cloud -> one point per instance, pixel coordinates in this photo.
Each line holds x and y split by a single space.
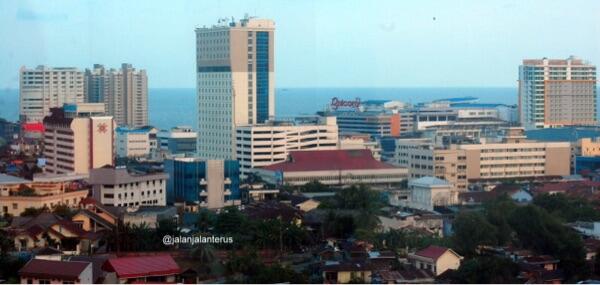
26 14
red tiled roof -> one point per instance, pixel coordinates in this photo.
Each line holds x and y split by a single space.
64 270
140 266
434 252
318 160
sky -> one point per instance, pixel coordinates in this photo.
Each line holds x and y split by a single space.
345 43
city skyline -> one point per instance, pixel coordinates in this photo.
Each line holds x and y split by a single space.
402 44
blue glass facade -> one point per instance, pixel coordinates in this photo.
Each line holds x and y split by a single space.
590 163
262 76
185 176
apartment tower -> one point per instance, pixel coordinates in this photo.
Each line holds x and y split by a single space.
45 87
235 81
556 93
124 92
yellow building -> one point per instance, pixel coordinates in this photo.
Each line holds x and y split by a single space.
436 259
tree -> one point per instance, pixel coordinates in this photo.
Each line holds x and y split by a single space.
471 229
32 212
568 209
63 211
205 254
315 186
497 212
486 270
206 220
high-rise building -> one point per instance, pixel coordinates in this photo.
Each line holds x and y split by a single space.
45 87
556 93
235 81
77 138
124 92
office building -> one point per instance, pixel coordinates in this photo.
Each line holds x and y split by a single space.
264 144
136 142
179 140
209 184
77 138
118 187
43 88
124 92
508 157
332 167
373 123
557 92
235 82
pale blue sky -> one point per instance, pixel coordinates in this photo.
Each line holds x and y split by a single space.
318 43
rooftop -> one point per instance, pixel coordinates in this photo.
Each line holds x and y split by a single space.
50 269
431 181
9 179
140 266
319 160
434 252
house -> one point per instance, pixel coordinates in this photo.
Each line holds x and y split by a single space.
345 271
95 217
98 275
49 229
270 210
513 191
436 259
302 203
152 269
540 269
47 253
40 271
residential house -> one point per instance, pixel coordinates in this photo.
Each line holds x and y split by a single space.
436 259
346 271
40 271
150 269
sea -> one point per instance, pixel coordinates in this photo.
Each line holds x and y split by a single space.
169 107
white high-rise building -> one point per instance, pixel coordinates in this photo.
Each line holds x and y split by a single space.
45 87
123 91
557 93
235 81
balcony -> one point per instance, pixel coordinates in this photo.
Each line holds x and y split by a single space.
203 193
227 180
203 182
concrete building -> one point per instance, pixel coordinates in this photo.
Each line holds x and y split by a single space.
235 81
557 92
43 88
436 259
265 144
136 142
78 137
427 192
332 167
124 93
40 271
179 140
373 123
18 194
209 184
118 187
510 156
360 142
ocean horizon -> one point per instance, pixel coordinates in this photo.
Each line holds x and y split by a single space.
169 107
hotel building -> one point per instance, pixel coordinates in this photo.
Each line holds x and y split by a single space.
43 88
77 138
124 93
118 187
235 81
556 93
264 144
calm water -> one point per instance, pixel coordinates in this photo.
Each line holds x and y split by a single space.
172 107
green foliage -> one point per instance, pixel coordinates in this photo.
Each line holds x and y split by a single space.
63 211
486 270
403 242
338 225
26 191
9 268
566 208
253 271
206 220
315 186
497 212
470 230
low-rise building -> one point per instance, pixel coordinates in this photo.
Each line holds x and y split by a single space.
209 184
118 187
150 216
136 142
18 194
428 192
332 167
179 140
40 271
145 269
269 143
436 259
358 141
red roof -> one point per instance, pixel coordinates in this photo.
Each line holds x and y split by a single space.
317 160
140 266
36 127
50 269
434 252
